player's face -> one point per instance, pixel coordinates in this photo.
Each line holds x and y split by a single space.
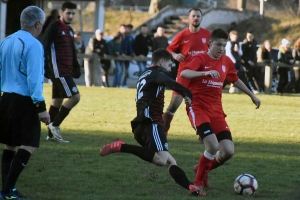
195 18
217 48
166 64
67 15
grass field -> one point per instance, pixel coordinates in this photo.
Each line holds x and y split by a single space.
267 145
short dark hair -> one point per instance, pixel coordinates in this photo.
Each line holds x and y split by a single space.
195 9
161 53
129 26
218 34
68 5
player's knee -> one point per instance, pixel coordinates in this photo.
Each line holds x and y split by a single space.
160 160
28 148
76 98
227 154
212 148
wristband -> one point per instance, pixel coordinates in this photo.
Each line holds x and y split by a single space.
41 106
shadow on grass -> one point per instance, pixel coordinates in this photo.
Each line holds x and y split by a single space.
76 171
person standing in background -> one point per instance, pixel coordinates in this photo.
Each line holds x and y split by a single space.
296 55
142 45
191 41
159 40
61 66
23 105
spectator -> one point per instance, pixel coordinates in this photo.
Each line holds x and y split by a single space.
114 47
126 50
249 60
284 56
296 55
232 51
263 55
141 46
79 46
99 46
159 40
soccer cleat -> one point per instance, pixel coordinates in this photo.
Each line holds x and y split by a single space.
13 195
112 147
196 190
55 130
52 139
207 182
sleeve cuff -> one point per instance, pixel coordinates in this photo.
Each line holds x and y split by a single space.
41 106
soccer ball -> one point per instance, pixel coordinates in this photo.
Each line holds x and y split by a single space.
245 184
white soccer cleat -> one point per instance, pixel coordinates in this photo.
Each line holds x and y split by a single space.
55 130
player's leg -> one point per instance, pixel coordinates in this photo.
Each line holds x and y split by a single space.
172 108
24 132
174 104
177 173
64 87
226 149
211 147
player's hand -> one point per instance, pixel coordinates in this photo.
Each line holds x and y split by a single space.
187 100
256 101
179 57
44 117
212 73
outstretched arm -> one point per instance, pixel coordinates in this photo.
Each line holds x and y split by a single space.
245 89
164 79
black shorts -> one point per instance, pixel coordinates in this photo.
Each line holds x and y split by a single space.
19 121
150 135
63 87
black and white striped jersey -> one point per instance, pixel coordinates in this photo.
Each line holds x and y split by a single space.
150 93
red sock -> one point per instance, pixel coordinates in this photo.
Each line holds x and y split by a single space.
215 163
203 169
167 119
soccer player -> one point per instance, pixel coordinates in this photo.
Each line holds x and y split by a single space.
186 44
207 73
61 66
23 105
147 125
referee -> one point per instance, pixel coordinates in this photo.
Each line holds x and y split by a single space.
22 106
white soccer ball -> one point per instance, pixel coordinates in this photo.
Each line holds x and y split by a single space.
245 184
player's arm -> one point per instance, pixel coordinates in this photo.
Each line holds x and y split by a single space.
164 79
239 84
190 74
175 47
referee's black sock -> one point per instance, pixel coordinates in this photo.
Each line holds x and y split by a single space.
7 157
142 152
179 176
63 113
53 111
17 165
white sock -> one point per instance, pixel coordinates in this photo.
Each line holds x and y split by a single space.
208 155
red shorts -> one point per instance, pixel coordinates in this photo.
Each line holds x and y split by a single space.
182 81
199 116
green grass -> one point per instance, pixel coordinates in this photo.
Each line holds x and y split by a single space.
266 143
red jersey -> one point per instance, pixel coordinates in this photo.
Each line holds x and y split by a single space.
189 44
207 91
